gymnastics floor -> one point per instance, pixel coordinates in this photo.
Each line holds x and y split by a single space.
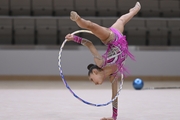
50 100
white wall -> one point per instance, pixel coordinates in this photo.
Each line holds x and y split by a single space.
74 62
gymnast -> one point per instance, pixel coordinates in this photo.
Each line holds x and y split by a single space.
110 64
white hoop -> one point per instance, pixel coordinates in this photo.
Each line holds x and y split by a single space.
66 84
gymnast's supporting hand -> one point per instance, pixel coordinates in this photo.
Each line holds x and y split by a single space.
107 119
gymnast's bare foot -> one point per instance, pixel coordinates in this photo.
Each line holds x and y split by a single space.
136 8
107 119
74 16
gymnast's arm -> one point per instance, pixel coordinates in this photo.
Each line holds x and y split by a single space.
114 81
97 57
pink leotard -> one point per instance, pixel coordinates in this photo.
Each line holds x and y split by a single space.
117 52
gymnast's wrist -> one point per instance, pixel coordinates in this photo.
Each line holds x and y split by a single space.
77 39
114 115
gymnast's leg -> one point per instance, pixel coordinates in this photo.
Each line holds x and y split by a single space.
120 23
101 32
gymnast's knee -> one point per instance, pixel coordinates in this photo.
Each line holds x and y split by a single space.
121 19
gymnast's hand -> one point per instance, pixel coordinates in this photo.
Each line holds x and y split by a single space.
69 37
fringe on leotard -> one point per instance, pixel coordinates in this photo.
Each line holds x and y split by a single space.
121 42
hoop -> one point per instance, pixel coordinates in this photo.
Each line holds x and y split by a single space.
66 84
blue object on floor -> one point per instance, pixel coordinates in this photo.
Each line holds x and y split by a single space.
138 84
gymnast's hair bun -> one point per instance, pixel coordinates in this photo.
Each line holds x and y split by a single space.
90 66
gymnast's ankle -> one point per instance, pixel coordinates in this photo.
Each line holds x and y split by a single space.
136 8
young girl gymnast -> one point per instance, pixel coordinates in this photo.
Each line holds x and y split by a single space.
110 64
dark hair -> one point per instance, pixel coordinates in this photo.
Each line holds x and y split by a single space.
90 67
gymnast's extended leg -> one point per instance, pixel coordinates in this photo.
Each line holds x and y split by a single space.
121 22
101 32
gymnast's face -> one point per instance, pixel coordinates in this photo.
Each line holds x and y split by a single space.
96 76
